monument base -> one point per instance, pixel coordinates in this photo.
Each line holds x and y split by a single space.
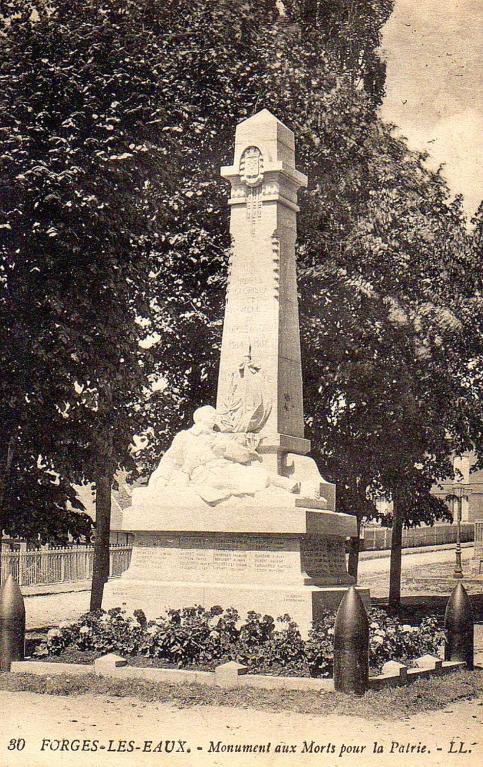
304 604
272 561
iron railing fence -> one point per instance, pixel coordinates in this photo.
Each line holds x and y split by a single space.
380 537
51 564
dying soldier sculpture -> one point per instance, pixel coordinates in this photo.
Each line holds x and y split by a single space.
205 463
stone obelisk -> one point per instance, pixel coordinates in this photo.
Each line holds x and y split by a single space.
238 515
261 315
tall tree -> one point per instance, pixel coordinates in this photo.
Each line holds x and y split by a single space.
85 165
396 349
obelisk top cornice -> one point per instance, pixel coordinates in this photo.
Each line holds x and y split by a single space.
275 142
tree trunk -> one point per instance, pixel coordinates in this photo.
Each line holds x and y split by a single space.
354 549
310 10
100 569
396 556
4 477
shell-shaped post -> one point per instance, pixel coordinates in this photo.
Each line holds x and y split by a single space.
12 624
351 645
459 625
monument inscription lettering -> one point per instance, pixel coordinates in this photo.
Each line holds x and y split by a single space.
213 555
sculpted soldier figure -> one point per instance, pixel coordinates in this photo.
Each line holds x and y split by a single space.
211 465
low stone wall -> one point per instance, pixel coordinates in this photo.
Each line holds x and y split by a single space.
234 675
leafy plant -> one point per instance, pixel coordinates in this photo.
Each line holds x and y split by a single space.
195 636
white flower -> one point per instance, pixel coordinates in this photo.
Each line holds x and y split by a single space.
374 625
330 632
152 630
54 633
378 640
214 634
406 628
84 630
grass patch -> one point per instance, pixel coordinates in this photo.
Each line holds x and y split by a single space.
70 656
393 704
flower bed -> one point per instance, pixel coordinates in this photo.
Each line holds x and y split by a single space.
194 637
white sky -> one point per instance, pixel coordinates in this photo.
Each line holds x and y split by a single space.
433 50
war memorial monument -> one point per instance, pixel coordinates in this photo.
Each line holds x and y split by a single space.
237 513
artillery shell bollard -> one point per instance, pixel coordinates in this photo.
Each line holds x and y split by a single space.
12 624
459 624
351 645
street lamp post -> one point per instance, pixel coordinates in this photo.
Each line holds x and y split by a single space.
458 492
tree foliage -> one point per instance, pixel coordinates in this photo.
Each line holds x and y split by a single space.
83 174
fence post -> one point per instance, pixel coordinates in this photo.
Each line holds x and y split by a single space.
351 645
12 624
459 625
22 563
44 559
62 565
3 564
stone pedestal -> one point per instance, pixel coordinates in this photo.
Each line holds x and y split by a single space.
288 560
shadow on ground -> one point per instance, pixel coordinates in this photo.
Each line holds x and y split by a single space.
417 607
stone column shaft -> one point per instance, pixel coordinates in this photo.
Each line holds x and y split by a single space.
261 316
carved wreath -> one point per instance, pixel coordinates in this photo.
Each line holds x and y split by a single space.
251 166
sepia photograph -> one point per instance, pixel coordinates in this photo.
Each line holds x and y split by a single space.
241 377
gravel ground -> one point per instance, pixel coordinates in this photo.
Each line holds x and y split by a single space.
428 573
121 724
